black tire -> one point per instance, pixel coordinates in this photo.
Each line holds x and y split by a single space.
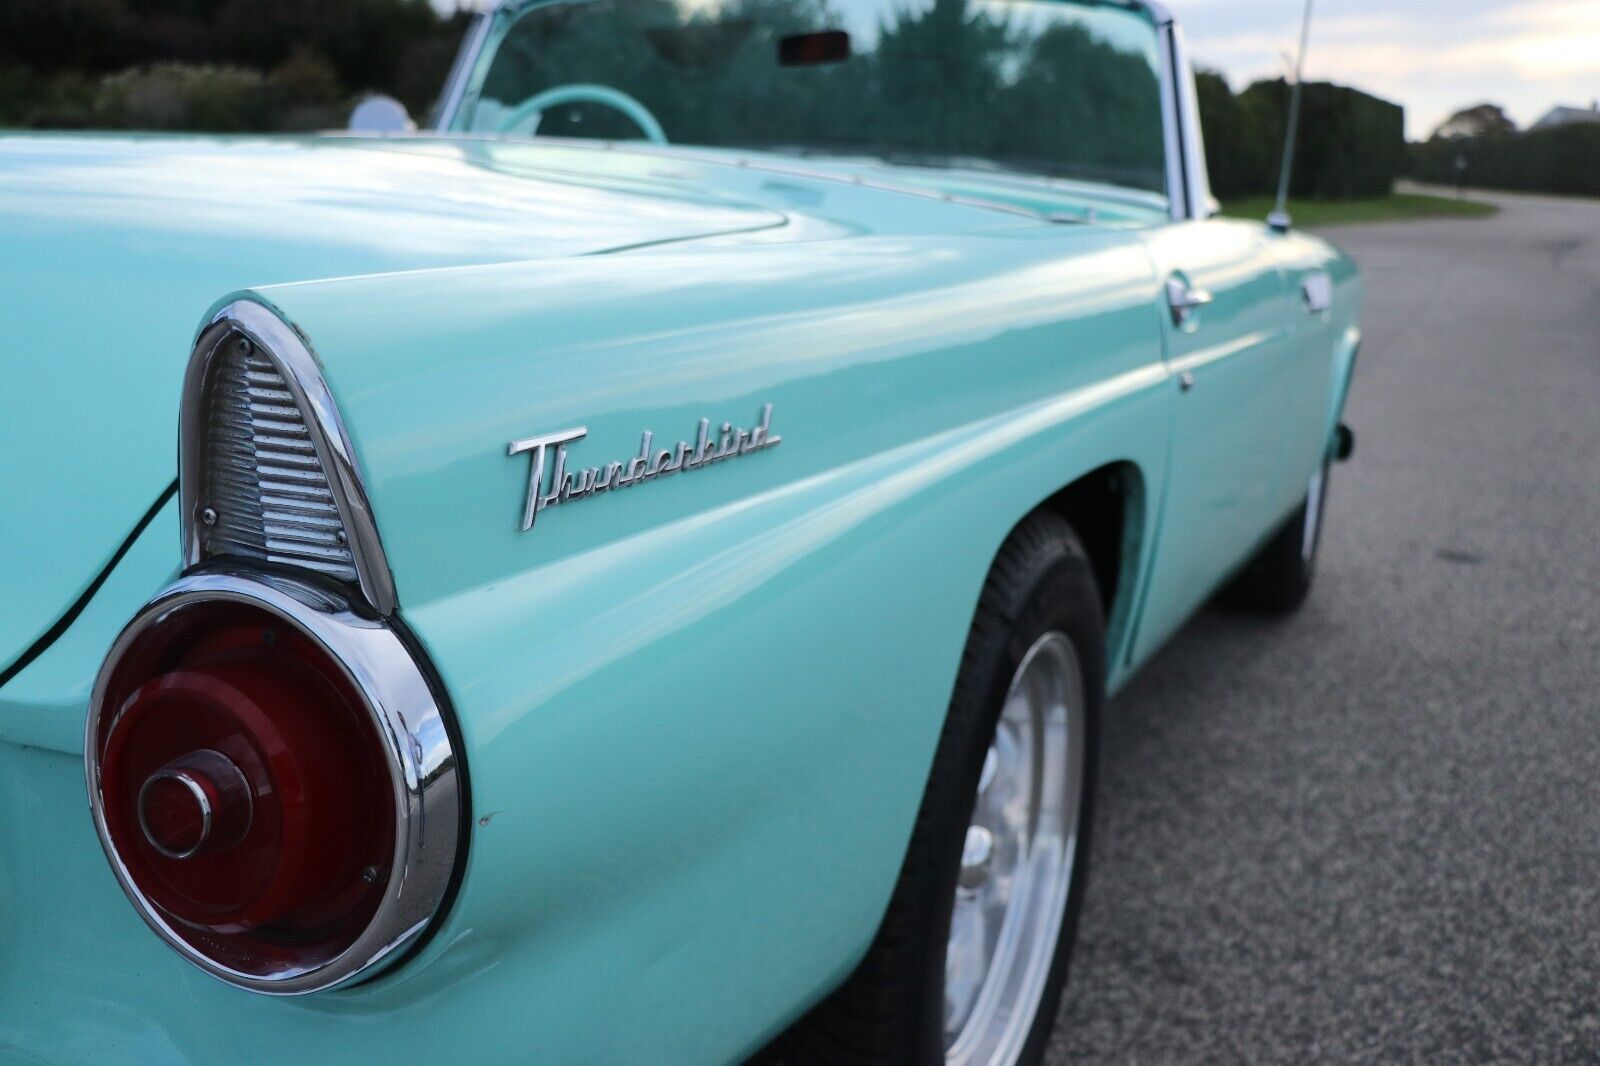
1278 579
891 1010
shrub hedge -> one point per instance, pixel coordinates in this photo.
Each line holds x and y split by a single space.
1351 145
1564 160
219 65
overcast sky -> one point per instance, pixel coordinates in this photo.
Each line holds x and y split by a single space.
1433 56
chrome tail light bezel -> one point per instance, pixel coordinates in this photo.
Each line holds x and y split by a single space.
411 718
351 617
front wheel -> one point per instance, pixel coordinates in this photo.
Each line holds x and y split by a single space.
971 960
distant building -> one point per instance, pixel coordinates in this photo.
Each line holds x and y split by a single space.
1568 116
1475 122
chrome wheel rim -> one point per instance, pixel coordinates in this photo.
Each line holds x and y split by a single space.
1312 529
1017 860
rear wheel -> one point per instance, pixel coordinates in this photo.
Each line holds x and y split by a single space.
1278 579
971 959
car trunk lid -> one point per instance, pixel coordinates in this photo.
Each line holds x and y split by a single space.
112 247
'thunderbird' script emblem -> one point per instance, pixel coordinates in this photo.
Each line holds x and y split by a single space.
563 485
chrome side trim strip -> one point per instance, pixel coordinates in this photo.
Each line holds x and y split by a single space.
410 718
1172 126
303 374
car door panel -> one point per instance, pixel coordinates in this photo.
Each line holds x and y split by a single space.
1228 358
1315 373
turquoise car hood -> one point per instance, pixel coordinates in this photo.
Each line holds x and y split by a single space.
112 247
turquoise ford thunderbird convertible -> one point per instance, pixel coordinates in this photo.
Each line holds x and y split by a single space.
644 559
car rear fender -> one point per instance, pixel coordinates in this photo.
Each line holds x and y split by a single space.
699 713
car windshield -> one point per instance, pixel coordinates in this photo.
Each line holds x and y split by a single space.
1032 86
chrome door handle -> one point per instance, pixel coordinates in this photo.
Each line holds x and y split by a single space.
1184 300
1317 292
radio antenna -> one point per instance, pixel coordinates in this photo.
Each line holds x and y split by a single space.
1279 219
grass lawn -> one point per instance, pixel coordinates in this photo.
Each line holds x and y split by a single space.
1397 207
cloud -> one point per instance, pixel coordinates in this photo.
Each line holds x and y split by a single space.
1433 56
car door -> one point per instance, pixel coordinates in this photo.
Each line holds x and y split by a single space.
1225 344
1309 384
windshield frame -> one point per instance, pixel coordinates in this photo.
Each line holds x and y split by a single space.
1188 188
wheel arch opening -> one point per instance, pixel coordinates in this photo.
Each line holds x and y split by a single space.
1106 507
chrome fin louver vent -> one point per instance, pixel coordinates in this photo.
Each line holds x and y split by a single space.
264 492
267 471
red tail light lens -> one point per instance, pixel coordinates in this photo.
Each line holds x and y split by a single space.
257 802
247 792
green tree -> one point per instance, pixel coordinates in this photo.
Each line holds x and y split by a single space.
1244 137
97 62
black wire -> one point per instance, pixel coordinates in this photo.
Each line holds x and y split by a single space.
38 647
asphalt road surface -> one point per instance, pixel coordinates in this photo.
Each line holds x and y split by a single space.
1371 832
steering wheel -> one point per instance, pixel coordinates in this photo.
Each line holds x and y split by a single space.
535 106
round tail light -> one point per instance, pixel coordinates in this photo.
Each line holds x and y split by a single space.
266 770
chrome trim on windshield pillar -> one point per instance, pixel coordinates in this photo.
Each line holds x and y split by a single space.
1188 181
303 375
1158 12
461 70
1197 177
